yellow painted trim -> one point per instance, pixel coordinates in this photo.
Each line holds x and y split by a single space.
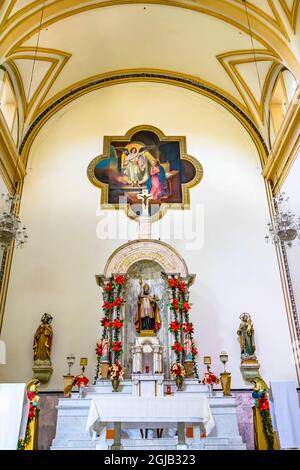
240 83
232 14
127 79
291 14
94 78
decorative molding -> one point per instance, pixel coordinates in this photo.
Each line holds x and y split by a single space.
12 167
173 78
286 146
139 250
291 14
247 57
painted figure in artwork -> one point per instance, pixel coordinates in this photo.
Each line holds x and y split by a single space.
147 312
43 339
133 166
157 181
246 337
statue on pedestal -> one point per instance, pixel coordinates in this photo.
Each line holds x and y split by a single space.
246 336
147 319
42 342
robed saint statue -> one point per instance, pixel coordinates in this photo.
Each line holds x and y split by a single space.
147 318
43 339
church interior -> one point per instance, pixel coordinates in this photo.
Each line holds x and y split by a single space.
149 225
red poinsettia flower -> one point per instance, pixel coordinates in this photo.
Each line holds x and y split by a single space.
175 304
185 306
263 404
117 346
188 327
108 287
98 349
178 347
174 326
172 282
105 322
107 305
81 380
118 302
117 324
120 280
31 411
182 286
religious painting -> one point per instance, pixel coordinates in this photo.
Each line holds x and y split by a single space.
144 159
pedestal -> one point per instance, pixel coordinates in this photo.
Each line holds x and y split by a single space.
104 370
68 385
148 385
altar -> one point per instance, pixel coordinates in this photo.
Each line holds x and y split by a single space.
147 372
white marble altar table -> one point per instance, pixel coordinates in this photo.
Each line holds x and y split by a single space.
166 410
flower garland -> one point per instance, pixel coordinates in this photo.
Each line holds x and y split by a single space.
32 395
111 321
180 324
262 403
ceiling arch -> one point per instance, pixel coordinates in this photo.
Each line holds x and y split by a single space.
207 40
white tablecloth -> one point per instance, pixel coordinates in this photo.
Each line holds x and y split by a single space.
286 413
13 415
167 409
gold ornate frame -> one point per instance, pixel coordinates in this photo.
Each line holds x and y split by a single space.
185 187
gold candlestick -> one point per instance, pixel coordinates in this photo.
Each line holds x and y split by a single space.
207 362
225 377
83 363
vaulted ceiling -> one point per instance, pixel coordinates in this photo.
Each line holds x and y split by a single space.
75 42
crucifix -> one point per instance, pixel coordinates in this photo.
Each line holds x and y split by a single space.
145 196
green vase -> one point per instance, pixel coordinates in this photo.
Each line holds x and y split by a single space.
179 383
115 384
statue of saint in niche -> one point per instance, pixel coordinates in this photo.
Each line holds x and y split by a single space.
147 319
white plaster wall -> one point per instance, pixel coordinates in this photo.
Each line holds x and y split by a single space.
236 270
292 190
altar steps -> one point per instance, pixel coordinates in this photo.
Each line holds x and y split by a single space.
150 444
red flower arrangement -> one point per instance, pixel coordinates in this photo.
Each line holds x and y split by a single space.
188 327
117 324
178 347
177 370
81 380
118 302
175 304
105 322
173 282
174 326
120 280
263 404
210 378
107 305
108 287
117 346
185 306
182 286
98 349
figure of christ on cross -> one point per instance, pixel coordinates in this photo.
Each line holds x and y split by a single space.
145 196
